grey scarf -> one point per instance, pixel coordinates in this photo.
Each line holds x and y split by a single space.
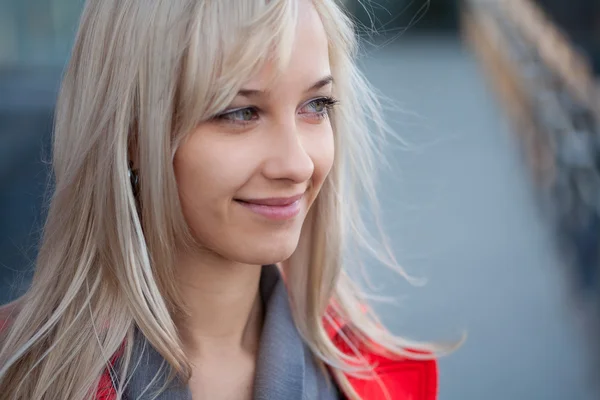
285 369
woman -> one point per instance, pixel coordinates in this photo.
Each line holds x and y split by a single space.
207 185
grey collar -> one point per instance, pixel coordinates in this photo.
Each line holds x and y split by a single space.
285 367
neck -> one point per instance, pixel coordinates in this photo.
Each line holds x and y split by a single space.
223 304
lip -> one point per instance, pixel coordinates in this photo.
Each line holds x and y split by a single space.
274 201
274 208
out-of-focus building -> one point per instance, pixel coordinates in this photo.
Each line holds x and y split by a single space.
37 33
35 40
543 61
580 20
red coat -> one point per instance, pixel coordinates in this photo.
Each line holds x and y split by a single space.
404 379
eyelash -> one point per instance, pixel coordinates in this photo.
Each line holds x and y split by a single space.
329 105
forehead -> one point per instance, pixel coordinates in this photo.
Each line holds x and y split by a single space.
263 45
308 59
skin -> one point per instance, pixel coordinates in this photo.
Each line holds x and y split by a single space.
284 149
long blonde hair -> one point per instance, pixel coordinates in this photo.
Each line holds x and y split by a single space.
142 74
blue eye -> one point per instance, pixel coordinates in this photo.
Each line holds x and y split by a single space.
319 106
241 115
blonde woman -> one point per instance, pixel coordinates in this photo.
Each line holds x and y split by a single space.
208 158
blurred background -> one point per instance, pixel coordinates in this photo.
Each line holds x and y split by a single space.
494 197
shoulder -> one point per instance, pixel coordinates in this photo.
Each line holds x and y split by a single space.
414 378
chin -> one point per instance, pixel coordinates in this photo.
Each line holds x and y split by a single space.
267 251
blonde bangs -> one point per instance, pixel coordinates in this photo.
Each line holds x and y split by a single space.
230 42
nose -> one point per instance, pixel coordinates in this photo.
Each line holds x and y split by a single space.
289 156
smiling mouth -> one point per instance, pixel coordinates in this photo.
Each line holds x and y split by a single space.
275 208
273 201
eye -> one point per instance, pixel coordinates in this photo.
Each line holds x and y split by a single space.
319 107
242 115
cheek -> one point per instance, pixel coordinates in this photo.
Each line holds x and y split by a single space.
206 177
323 153
202 162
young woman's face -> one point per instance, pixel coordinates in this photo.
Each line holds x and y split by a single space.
248 178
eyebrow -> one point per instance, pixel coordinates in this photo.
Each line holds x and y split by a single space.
319 85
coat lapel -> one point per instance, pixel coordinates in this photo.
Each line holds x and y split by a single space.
285 368
150 373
